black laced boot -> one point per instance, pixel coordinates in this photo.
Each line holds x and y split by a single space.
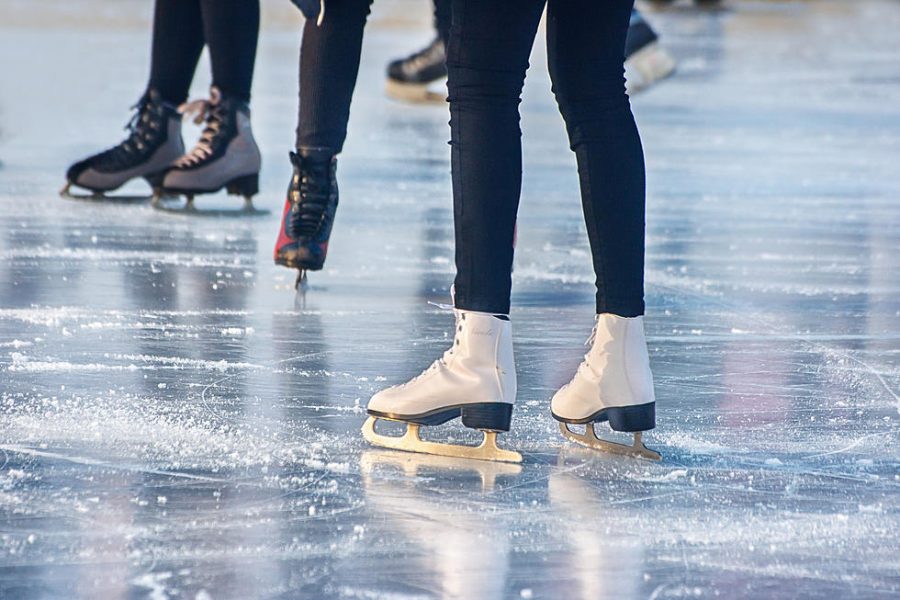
153 143
226 155
312 199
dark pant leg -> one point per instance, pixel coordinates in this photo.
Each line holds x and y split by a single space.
586 46
443 10
177 44
231 28
329 63
490 41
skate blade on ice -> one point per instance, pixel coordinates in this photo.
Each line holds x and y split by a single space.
411 442
589 438
101 197
188 207
417 93
413 464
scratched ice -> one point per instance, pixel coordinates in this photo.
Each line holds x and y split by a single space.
172 425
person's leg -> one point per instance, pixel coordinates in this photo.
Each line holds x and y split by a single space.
490 41
226 155
443 19
329 63
232 28
586 42
177 43
614 384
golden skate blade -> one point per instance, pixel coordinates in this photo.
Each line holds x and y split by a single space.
411 442
589 438
416 93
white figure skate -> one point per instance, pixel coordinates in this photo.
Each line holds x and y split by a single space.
613 384
474 380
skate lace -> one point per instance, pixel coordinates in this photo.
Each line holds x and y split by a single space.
141 128
310 198
211 111
432 53
442 361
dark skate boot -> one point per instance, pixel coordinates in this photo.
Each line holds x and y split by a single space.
309 210
226 156
153 144
410 78
645 61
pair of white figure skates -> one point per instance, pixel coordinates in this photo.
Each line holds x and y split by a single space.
476 380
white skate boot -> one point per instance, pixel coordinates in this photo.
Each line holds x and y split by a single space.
613 384
475 380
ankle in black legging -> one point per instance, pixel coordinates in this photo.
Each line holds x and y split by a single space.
180 30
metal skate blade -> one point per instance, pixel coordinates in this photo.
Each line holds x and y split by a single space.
416 93
411 442
589 438
101 198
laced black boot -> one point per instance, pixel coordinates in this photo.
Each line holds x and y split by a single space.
153 143
312 199
226 155
409 78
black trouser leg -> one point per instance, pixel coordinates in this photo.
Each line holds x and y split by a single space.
177 44
231 28
585 44
329 63
490 41
443 10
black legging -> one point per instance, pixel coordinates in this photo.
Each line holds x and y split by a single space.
329 63
181 27
490 41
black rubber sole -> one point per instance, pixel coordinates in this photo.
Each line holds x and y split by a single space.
487 416
639 417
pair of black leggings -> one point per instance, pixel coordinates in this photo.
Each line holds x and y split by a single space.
180 29
490 42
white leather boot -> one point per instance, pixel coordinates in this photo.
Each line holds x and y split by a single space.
614 384
474 380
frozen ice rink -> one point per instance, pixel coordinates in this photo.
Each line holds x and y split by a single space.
174 423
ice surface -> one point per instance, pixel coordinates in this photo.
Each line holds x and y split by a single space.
175 426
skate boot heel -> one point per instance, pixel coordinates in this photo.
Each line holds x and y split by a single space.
488 416
640 417
246 186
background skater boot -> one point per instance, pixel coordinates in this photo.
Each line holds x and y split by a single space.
153 143
613 384
645 61
226 154
309 209
474 380
409 78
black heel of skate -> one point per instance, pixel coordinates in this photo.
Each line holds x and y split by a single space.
246 186
641 417
488 416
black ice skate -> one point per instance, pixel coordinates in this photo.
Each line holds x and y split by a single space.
409 78
309 210
225 156
153 144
